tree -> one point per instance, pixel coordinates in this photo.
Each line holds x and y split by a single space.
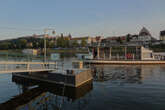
75 43
83 43
128 37
66 42
60 42
119 40
70 36
22 43
41 43
50 44
62 35
5 45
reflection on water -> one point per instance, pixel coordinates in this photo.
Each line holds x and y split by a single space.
115 87
44 96
125 74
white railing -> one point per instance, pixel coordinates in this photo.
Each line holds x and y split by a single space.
11 66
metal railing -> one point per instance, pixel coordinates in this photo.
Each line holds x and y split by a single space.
12 66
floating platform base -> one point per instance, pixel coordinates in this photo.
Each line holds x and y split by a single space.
144 62
71 80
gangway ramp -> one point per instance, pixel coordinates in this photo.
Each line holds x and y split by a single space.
16 67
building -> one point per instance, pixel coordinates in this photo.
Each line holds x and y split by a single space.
80 39
144 38
159 55
122 52
114 40
144 35
162 35
30 51
99 38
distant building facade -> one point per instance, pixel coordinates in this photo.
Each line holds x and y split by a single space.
162 35
114 40
30 51
144 35
122 52
80 39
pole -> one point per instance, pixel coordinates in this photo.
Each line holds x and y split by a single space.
110 53
45 46
125 53
98 53
45 30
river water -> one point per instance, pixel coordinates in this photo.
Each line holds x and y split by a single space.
115 87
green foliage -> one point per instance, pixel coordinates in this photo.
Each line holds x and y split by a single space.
119 40
5 45
62 42
128 37
75 43
83 43
22 43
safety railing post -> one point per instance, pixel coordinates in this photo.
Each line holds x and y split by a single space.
28 66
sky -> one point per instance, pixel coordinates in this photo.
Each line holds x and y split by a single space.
81 17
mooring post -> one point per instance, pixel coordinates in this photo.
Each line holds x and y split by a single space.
28 66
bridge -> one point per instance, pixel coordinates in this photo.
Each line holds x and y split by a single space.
16 67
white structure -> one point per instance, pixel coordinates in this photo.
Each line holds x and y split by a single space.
30 51
55 56
80 39
84 56
146 54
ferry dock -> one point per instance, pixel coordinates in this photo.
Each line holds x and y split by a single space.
47 72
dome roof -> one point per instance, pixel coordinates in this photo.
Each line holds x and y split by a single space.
144 32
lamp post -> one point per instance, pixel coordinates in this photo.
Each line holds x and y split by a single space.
45 35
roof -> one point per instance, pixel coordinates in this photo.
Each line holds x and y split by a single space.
144 32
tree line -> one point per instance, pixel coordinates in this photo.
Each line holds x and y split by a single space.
36 43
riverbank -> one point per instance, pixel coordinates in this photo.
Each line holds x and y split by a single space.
49 51
144 62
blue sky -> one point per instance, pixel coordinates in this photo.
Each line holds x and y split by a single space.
81 17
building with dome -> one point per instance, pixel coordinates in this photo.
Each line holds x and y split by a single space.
144 35
144 38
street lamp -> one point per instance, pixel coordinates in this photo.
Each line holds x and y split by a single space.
46 35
